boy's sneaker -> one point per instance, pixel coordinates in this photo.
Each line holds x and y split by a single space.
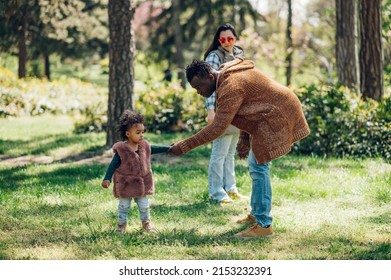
147 226
255 231
250 219
121 227
237 195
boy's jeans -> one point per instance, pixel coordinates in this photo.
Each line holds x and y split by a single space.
221 171
124 207
261 195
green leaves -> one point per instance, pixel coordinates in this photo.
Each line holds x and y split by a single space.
344 125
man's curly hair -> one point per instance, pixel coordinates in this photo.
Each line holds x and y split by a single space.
127 119
198 68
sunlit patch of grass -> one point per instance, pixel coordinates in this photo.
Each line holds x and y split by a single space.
49 252
45 135
34 127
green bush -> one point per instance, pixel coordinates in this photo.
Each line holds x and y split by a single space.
32 96
344 125
92 119
166 108
169 108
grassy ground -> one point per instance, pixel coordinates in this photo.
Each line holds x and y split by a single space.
52 205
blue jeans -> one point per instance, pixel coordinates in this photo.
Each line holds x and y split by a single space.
221 173
124 207
261 195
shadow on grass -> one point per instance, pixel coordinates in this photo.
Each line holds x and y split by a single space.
381 219
49 211
185 237
42 144
173 237
374 251
195 212
93 152
3 254
59 177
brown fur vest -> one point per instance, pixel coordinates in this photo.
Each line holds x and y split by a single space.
133 178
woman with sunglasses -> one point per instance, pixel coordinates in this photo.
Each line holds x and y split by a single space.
221 172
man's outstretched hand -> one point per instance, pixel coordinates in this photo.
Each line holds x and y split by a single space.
175 150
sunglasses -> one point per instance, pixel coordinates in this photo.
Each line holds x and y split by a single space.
228 39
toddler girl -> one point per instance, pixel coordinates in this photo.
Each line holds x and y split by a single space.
131 165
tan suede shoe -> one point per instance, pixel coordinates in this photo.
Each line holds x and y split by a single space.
237 196
226 200
255 231
250 219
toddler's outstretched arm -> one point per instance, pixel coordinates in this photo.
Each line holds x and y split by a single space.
155 149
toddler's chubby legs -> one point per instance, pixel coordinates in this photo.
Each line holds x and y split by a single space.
143 207
123 210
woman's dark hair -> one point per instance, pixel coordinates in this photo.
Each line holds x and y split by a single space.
127 119
215 43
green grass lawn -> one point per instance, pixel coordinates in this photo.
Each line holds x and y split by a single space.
52 205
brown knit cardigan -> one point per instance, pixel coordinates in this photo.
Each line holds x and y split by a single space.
270 112
133 178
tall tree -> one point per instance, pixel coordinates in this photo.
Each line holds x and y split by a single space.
33 29
346 43
371 50
121 71
289 45
22 45
16 18
72 29
179 58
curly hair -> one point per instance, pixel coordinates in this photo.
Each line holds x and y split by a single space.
198 68
127 120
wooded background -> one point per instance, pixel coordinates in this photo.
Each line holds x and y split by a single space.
343 41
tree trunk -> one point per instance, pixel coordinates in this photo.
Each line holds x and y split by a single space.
371 51
22 56
289 47
121 72
47 65
180 60
346 43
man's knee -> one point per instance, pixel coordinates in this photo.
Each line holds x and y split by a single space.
259 170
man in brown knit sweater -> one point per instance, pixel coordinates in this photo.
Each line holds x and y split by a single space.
269 116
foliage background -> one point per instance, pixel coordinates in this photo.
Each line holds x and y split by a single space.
341 123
